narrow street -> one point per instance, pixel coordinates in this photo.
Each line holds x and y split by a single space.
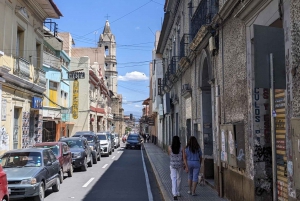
120 176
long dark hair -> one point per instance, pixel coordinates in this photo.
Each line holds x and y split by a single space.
193 144
175 145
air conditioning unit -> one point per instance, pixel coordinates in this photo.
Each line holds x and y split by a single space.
212 43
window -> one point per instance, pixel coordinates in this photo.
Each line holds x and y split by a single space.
106 50
20 43
46 157
52 156
38 48
53 85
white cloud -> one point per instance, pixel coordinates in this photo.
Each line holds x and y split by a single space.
133 76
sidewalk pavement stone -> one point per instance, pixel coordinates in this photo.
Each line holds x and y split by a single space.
160 163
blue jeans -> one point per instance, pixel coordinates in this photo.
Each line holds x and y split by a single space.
194 169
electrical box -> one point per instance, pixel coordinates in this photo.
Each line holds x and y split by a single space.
231 146
296 150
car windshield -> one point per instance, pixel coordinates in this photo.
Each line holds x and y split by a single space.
101 137
21 159
132 137
54 148
74 143
89 138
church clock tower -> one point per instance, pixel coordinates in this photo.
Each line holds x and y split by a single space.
107 40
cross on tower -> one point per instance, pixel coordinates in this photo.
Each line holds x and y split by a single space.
107 16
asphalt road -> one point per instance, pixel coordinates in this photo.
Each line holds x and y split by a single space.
121 176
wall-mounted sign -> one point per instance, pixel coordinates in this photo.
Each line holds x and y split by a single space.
37 103
75 99
76 75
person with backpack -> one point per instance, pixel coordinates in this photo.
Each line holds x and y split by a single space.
175 152
192 156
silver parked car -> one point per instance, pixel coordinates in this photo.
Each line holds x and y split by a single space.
105 144
116 140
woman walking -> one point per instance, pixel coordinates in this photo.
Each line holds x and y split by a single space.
192 156
176 163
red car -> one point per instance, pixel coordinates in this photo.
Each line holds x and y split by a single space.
63 154
4 194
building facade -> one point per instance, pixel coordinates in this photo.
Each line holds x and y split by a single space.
23 81
56 102
217 57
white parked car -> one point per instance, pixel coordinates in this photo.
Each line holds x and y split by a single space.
105 144
116 139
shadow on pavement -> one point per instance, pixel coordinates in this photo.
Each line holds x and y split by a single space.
123 180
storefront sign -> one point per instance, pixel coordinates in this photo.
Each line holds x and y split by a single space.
76 75
75 99
37 103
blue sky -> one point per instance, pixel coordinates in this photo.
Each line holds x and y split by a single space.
134 23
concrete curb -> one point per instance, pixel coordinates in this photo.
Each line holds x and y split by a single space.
163 191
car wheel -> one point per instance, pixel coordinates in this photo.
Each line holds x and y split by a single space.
94 156
41 195
113 150
110 152
84 167
4 199
70 172
56 186
90 164
61 176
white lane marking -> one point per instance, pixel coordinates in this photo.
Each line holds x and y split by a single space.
87 183
104 166
150 196
113 157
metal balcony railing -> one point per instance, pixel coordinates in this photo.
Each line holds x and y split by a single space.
22 68
204 14
174 63
42 78
51 60
184 45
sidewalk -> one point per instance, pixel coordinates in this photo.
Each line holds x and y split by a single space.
160 164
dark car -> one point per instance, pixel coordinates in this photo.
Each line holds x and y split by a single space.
4 194
62 152
94 143
81 152
30 172
133 141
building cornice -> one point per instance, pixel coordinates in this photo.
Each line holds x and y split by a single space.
16 80
250 8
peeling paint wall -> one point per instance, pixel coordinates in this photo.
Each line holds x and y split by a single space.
291 10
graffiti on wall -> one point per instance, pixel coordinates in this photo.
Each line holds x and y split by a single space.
31 129
25 129
262 150
4 139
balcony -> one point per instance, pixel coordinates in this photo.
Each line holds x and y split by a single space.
22 68
175 67
204 14
42 78
186 90
51 60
